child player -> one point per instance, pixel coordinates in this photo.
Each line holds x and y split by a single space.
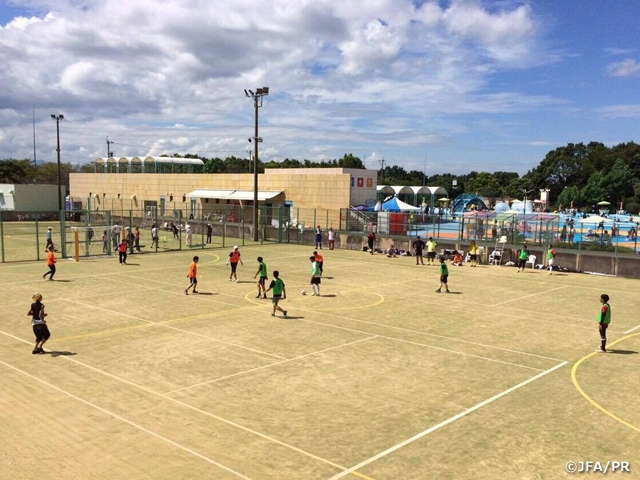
604 318
122 252
262 271
316 276
320 259
279 292
234 258
551 258
444 274
38 323
51 263
193 276
522 258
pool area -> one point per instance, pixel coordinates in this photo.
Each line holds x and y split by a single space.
592 232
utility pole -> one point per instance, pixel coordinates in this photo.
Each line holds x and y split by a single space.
257 103
58 119
424 173
35 163
382 171
109 152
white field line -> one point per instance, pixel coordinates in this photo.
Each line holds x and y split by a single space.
528 296
423 345
450 420
632 329
269 365
389 326
128 422
415 331
195 409
164 325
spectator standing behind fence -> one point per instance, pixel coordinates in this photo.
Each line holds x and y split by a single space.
116 235
209 232
174 229
105 241
136 239
49 240
154 235
189 235
331 236
318 237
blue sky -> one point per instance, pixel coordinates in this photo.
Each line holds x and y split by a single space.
461 85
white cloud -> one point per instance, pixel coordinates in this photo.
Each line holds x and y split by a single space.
166 77
624 68
621 111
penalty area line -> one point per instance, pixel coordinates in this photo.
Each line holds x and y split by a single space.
527 296
444 423
128 422
632 330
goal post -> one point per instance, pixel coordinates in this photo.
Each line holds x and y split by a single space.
91 240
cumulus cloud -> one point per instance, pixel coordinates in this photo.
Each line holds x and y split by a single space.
167 77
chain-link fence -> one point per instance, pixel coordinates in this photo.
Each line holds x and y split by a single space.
182 226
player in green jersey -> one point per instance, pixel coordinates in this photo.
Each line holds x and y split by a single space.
444 275
522 258
279 291
604 319
262 271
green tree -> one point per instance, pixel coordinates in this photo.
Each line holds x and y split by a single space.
594 191
570 196
16 171
349 161
484 184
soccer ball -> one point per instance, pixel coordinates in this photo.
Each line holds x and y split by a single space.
303 292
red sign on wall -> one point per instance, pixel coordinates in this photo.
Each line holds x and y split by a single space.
360 182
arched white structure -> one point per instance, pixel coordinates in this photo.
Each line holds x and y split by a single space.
433 192
145 164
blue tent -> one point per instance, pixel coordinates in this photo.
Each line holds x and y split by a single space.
395 205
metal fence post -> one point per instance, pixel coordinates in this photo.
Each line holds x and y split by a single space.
37 238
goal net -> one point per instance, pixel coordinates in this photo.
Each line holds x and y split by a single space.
92 240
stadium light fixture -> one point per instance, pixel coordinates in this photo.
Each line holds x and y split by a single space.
58 119
257 103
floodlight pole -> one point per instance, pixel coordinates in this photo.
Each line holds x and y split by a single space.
257 103
58 119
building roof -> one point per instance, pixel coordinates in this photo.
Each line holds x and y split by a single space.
157 160
233 194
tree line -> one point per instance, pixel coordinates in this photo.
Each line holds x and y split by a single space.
576 174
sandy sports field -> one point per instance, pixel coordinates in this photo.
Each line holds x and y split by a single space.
379 378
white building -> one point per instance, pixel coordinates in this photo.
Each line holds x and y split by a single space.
22 197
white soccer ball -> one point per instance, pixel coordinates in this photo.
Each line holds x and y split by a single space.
303 292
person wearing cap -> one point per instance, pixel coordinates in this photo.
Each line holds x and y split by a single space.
49 240
234 258
38 323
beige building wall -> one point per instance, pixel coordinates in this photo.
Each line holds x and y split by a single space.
315 194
